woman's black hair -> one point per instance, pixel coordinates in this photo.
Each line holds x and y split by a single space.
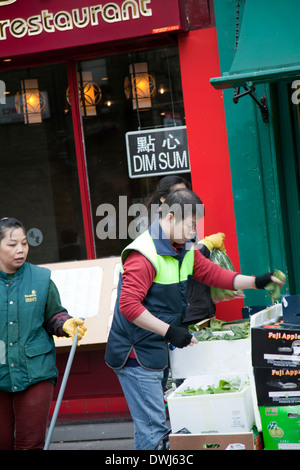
163 189
7 223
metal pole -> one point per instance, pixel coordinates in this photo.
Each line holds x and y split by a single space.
61 391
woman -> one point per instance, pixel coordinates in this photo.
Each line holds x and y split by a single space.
30 313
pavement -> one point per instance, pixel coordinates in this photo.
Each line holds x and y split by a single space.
116 435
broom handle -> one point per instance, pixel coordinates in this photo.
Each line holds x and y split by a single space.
61 392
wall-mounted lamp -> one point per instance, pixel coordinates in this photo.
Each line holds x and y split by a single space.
140 87
30 101
90 94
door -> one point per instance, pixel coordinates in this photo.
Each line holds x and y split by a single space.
289 178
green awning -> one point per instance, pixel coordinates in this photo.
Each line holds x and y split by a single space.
268 46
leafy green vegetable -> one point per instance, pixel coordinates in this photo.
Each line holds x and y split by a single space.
273 288
224 386
216 325
235 332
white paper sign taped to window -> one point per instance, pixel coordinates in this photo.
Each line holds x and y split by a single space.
79 289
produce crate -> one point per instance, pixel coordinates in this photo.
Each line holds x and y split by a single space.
281 427
218 413
275 347
277 386
266 316
269 315
210 357
216 441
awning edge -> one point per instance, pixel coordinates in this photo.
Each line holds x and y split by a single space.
262 76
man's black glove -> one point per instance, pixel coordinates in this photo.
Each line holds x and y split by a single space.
262 281
178 337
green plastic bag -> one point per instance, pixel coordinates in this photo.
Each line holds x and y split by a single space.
218 295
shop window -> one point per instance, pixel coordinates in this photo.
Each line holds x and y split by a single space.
156 102
39 178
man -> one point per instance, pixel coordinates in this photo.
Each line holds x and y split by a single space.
151 304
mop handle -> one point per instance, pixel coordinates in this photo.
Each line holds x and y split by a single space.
61 391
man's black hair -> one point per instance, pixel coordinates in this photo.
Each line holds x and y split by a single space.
182 203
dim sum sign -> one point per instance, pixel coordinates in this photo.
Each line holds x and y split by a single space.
157 152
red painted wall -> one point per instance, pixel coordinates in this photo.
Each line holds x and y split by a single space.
207 138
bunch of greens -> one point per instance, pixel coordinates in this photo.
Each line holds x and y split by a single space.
224 386
273 288
222 259
240 331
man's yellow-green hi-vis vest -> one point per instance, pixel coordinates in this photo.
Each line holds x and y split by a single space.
166 299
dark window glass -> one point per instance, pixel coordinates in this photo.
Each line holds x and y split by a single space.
106 125
39 179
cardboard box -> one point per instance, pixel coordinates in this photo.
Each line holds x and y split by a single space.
87 289
266 316
276 346
220 412
237 441
277 387
291 309
277 343
281 427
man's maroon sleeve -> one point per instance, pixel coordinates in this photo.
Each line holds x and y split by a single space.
138 277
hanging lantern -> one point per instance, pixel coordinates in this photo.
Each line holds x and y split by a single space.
140 87
30 101
90 94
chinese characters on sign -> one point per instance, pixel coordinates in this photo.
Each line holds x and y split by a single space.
34 236
157 152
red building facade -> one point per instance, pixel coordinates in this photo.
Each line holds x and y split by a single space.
65 155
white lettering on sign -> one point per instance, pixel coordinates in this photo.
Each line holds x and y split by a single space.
157 151
165 161
78 18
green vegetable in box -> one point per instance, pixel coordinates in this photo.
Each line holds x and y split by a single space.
233 330
222 259
224 386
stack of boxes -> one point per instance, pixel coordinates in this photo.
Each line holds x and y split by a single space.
220 412
276 366
219 421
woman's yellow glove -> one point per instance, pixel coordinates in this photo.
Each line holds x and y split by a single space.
72 324
214 241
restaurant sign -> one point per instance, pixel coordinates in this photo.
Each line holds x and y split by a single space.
157 152
35 26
